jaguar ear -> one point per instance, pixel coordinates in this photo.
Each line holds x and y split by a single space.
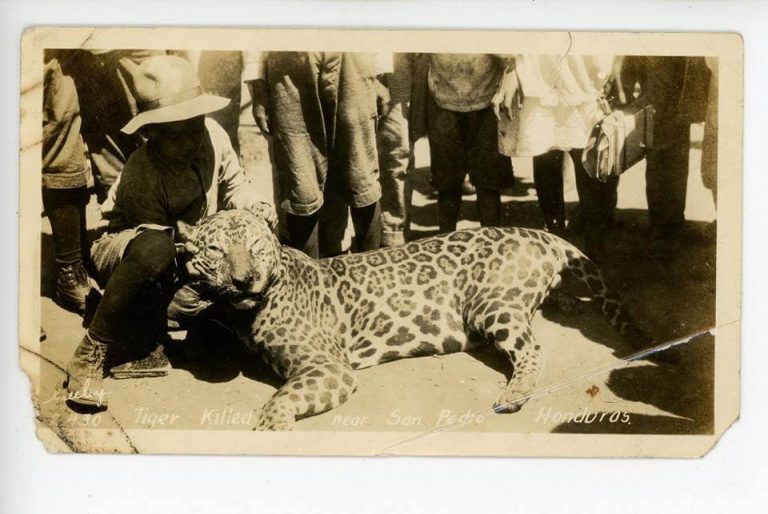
186 234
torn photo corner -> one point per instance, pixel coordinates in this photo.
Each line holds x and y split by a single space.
356 242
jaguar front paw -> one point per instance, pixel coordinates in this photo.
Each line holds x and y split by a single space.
275 418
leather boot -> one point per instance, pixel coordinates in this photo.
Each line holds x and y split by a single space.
72 286
85 375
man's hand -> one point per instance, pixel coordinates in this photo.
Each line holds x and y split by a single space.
383 100
185 235
503 100
260 108
265 211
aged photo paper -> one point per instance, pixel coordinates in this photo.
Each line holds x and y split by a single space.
178 186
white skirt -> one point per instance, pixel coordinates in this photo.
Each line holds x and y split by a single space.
554 127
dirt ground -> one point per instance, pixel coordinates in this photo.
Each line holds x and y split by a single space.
585 386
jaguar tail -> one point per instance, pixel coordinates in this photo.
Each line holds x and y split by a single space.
590 275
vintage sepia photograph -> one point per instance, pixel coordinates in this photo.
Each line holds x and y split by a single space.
248 241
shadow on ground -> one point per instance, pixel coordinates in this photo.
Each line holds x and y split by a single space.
212 353
685 390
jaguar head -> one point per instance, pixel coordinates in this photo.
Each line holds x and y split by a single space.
233 256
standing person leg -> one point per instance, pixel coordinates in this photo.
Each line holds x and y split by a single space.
334 214
394 161
299 143
367 223
354 156
408 193
303 233
488 168
395 153
65 194
66 212
666 178
448 207
597 201
489 207
333 218
548 180
448 162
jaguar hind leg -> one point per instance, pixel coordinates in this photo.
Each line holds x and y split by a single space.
506 324
510 332
527 362
322 385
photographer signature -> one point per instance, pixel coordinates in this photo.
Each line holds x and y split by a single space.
86 392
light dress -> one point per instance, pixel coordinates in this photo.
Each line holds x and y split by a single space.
560 100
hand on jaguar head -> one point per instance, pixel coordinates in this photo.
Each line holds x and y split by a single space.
232 255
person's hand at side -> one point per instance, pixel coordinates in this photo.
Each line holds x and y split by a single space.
260 107
504 99
383 99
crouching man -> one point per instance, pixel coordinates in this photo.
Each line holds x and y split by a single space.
185 170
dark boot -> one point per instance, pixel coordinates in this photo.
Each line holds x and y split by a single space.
448 207
65 209
85 375
368 229
72 286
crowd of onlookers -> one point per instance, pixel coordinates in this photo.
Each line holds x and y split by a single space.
341 130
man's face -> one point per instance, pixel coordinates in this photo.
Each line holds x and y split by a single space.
177 141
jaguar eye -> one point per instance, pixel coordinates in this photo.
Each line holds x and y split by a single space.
212 249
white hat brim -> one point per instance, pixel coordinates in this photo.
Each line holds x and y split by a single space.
188 109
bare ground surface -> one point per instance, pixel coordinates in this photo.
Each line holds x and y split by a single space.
585 387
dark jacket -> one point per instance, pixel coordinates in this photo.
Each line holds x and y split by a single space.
675 86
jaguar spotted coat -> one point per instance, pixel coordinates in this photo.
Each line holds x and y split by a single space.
315 322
